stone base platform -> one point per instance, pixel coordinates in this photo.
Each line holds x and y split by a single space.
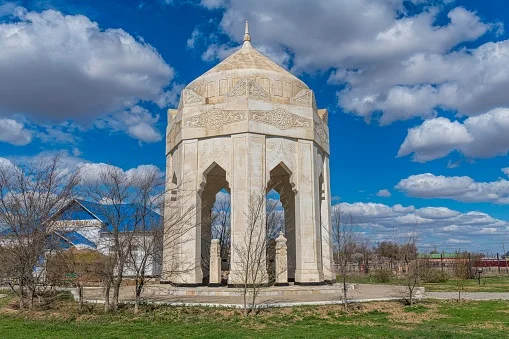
274 296
205 291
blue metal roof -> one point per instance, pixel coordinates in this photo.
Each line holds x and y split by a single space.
127 217
75 238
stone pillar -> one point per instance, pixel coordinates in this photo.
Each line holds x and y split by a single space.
189 271
215 263
306 218
281 261
247 189
327 246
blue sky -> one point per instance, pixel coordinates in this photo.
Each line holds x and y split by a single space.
416 91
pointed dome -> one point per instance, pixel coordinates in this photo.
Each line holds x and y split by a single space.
247 62
248 58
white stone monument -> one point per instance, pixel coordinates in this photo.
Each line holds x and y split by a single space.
215 263
281 266
245 126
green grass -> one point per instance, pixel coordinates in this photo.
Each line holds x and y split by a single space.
429 319
488 284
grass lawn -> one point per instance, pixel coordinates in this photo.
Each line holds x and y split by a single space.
488 284
429 319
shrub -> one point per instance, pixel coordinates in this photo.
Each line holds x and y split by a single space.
382 275
434 275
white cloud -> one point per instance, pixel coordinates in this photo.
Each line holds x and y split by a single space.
69 67
435 138
394 61
482 136
136 121
7 8
92 172
457 188
211 4
438 225
14 132
506 170
384 193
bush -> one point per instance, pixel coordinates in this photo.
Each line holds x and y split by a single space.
434 275
382 275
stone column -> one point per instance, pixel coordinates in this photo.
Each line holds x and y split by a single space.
306 217
248 189
215 263
327 250
189 265
281 261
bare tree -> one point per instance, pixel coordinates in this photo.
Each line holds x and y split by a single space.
412 270
263 224
29 195
344 238
115 197
145 249
388 250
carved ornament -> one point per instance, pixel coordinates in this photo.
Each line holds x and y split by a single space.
215 119
280 119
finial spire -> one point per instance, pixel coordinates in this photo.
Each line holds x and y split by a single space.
247 37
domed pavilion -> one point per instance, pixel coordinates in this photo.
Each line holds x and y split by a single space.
247 127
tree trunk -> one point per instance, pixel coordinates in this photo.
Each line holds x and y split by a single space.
137 295
80 296
107 297
345 292
116 292
245 300
21 295
32 297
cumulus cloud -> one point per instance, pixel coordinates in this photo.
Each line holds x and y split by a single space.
397 63
94 172
462 188
211 4
384 193
70 67
439 225
14 132
136 121
506 170
482 136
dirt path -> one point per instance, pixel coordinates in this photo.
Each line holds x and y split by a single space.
468 295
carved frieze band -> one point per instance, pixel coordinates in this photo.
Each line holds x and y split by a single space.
215 118
174 131
280 118
320 130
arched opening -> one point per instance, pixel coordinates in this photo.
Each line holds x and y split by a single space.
281 216
221 226
215 215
